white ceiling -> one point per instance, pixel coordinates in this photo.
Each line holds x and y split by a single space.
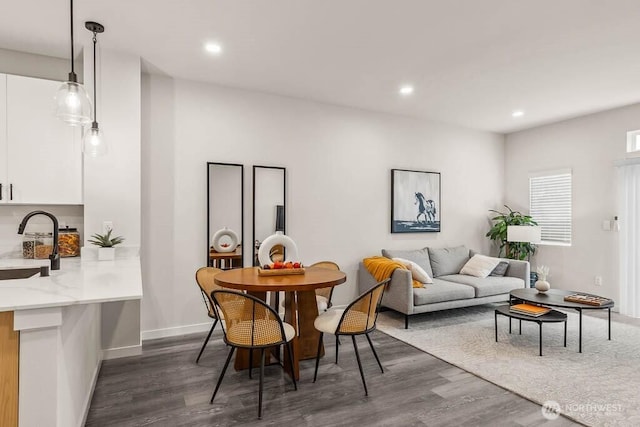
472 62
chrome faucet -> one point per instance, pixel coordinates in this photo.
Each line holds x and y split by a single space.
55 256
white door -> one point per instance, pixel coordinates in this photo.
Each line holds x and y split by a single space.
44 153
4 184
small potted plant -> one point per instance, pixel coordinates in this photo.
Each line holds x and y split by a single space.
106 243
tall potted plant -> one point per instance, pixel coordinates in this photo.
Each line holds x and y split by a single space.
498 233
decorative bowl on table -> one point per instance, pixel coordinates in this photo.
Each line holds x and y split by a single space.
280 268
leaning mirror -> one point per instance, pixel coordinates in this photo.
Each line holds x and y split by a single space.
225 210
269 207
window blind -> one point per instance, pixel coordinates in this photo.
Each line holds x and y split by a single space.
550 206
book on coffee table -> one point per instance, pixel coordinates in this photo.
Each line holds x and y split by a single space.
587 299
529 309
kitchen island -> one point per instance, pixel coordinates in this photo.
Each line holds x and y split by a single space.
55 338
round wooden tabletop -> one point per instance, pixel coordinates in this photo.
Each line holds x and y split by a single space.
247 279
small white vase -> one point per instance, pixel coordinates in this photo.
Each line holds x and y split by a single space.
542 286
106 254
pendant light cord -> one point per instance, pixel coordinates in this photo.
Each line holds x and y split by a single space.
95 77
72 57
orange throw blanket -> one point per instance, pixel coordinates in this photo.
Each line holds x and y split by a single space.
381 268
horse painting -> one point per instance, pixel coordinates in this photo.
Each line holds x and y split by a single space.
426 208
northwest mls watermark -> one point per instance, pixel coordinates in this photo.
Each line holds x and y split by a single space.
551 409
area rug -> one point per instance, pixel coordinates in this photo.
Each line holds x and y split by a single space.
598 387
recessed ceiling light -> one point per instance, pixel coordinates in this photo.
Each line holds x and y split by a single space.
213 48
518 113
406 90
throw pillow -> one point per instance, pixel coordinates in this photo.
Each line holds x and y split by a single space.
480 266
446 261
419 256
417 272
500 270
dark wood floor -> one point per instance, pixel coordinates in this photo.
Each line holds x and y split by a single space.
165 387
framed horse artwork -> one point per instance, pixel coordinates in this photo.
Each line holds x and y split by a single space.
415 201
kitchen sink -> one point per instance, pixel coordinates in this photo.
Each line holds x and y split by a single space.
18 273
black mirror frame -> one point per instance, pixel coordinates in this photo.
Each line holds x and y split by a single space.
209 164
284 199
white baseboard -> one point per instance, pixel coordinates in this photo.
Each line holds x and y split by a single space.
176 331
116 353
87 402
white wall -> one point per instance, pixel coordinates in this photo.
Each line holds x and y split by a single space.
588 145
112 182
338 177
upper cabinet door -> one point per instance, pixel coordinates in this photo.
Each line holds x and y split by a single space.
4 184
44 153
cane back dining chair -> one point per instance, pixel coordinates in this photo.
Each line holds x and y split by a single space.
205 279
359 318
250 323
323 295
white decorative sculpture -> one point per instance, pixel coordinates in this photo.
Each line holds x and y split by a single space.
542 285
217 237
277 239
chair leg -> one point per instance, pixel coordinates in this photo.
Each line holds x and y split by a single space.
293 374
406 321
250 362
315 374
374 352
355 347
261 381
337 347
207 340
226 364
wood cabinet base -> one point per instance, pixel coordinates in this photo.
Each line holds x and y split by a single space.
9 358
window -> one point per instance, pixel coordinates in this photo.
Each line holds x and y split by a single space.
550 205
633 141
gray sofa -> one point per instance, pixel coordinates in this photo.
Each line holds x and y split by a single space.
449 289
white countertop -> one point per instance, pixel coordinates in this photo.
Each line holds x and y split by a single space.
77 282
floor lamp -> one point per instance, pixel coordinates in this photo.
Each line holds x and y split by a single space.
525 234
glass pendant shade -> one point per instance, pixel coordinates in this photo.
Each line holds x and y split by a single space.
73 105
93 143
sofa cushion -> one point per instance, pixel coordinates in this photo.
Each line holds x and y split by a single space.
487 286
440 291
480 266
446 261
419 256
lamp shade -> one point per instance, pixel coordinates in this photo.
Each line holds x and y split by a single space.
73 105
524 233
93 143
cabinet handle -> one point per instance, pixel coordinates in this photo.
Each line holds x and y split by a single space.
0 191
10 191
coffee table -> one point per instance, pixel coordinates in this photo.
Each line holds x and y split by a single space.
555 298
552 316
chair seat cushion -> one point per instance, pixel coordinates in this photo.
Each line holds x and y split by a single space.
355 321
322 302
265 332
328 321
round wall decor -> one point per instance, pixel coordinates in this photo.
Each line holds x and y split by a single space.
217 237
290 248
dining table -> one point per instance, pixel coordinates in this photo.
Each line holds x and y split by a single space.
300 305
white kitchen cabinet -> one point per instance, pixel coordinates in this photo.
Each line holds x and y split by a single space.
43 154
3 137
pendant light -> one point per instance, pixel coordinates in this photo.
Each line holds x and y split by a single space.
93 143
73 105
